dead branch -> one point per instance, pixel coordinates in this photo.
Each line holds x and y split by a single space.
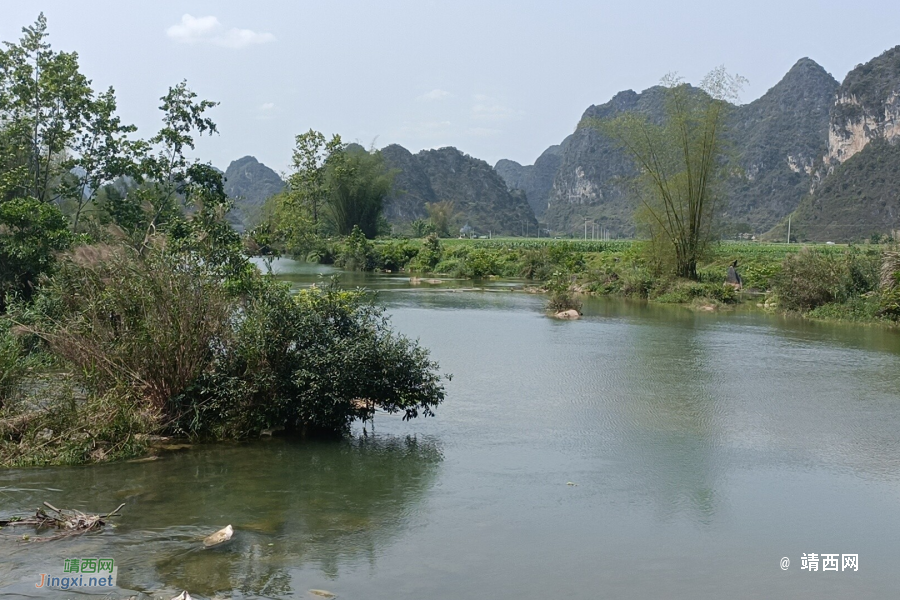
69 521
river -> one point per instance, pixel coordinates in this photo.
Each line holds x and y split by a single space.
641 452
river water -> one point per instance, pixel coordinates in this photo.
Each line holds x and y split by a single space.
641 452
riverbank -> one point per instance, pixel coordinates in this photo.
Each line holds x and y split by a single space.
825 282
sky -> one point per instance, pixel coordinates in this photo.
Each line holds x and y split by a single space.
494 79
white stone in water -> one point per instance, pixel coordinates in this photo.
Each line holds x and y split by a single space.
219 537
568 314
322 593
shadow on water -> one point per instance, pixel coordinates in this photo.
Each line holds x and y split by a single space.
293 506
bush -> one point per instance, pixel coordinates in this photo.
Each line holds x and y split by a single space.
311 363
65 429
356 253
166 338
535 264
429 254
14 363
561 296
146 326
680 291
889 304
395 255
31 233
812 278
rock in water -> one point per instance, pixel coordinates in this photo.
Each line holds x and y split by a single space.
219 537
321 593
568 314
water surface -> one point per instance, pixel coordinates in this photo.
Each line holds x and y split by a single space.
702 448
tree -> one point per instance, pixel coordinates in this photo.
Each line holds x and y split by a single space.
357 182
103 153
167 167
31 233
59 142
43 98
307 182
681 164
441 215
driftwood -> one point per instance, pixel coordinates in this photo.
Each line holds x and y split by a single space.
69 521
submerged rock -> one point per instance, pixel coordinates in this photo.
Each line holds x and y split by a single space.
322 593
219 537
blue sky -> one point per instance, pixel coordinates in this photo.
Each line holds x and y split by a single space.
495 79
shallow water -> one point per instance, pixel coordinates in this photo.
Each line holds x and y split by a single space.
703 448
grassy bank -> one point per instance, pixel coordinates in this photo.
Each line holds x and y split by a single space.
835 282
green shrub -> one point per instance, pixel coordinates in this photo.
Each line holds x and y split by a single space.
682 291
145 324
395 255
813 278
429 255
889 302
311 363
859 308
14 363
562 297
31 233
65 429
356 253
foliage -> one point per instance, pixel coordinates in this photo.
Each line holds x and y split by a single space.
43 98
31 233
167 167
357 182
442 216
422 228
812 278
683 291
145 325
206 233
428 255
60 142
14 363
308 180
396 255
681 165
561 296
356 253
69 430
312 363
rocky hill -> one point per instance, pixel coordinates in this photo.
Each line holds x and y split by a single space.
250 183
776 140
535 180
856 184
480 196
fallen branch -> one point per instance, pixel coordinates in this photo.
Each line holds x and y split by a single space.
70 521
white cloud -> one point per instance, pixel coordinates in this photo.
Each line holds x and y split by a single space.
434 94
267 106
208 30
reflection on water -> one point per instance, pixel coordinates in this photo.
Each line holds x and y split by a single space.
292 504
701 448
